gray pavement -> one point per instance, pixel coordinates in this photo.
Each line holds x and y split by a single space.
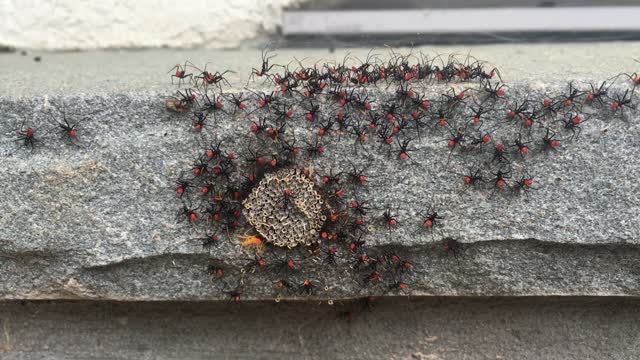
402 328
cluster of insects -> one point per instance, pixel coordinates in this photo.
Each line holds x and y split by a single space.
60 127
488 134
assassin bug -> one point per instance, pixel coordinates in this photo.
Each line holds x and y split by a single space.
403 151
521 145
571 95
398 286
188 213
311 111
212 104
499 155
549 142
283 285
359 208
183 186
518 109
259 127
314 149
597 94
206 77
456 98
265 67
389 219
209 240
306 287
620 102
500 179
198 121
216 271
454 247
494 92
404 93
264 99
238 101
287 264
478 112
182 100
331 179
289 148
253 265
357 177
69 130
472 178
180 73
431 219
27 136
524 184
572 123
234 295
331 255
325 127
217 78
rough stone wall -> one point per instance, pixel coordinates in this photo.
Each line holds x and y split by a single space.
70 25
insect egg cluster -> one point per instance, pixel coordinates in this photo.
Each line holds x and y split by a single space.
286 209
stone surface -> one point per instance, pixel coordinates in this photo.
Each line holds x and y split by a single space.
98 220
401 328
55 25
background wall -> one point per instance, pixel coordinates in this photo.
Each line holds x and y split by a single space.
82 24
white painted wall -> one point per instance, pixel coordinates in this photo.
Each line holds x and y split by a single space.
91 24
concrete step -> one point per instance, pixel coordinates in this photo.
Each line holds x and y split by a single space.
97 220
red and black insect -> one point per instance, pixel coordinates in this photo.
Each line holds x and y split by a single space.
360 208
238 101
183 187
265 67
494 92
472 178
454 247
254 264
500 179
430 219
188 213
311 111
499 154
67 129
572 122
264 99
518 109
331 254
198 121
186 98
572 94
314 148
524 185
289 148
357 176
215 271
284 285
403 151
212 104
218 78
597 94
180 73
398 286
523 149
27 136
210 240
619 102
306 287
389 219
549 141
